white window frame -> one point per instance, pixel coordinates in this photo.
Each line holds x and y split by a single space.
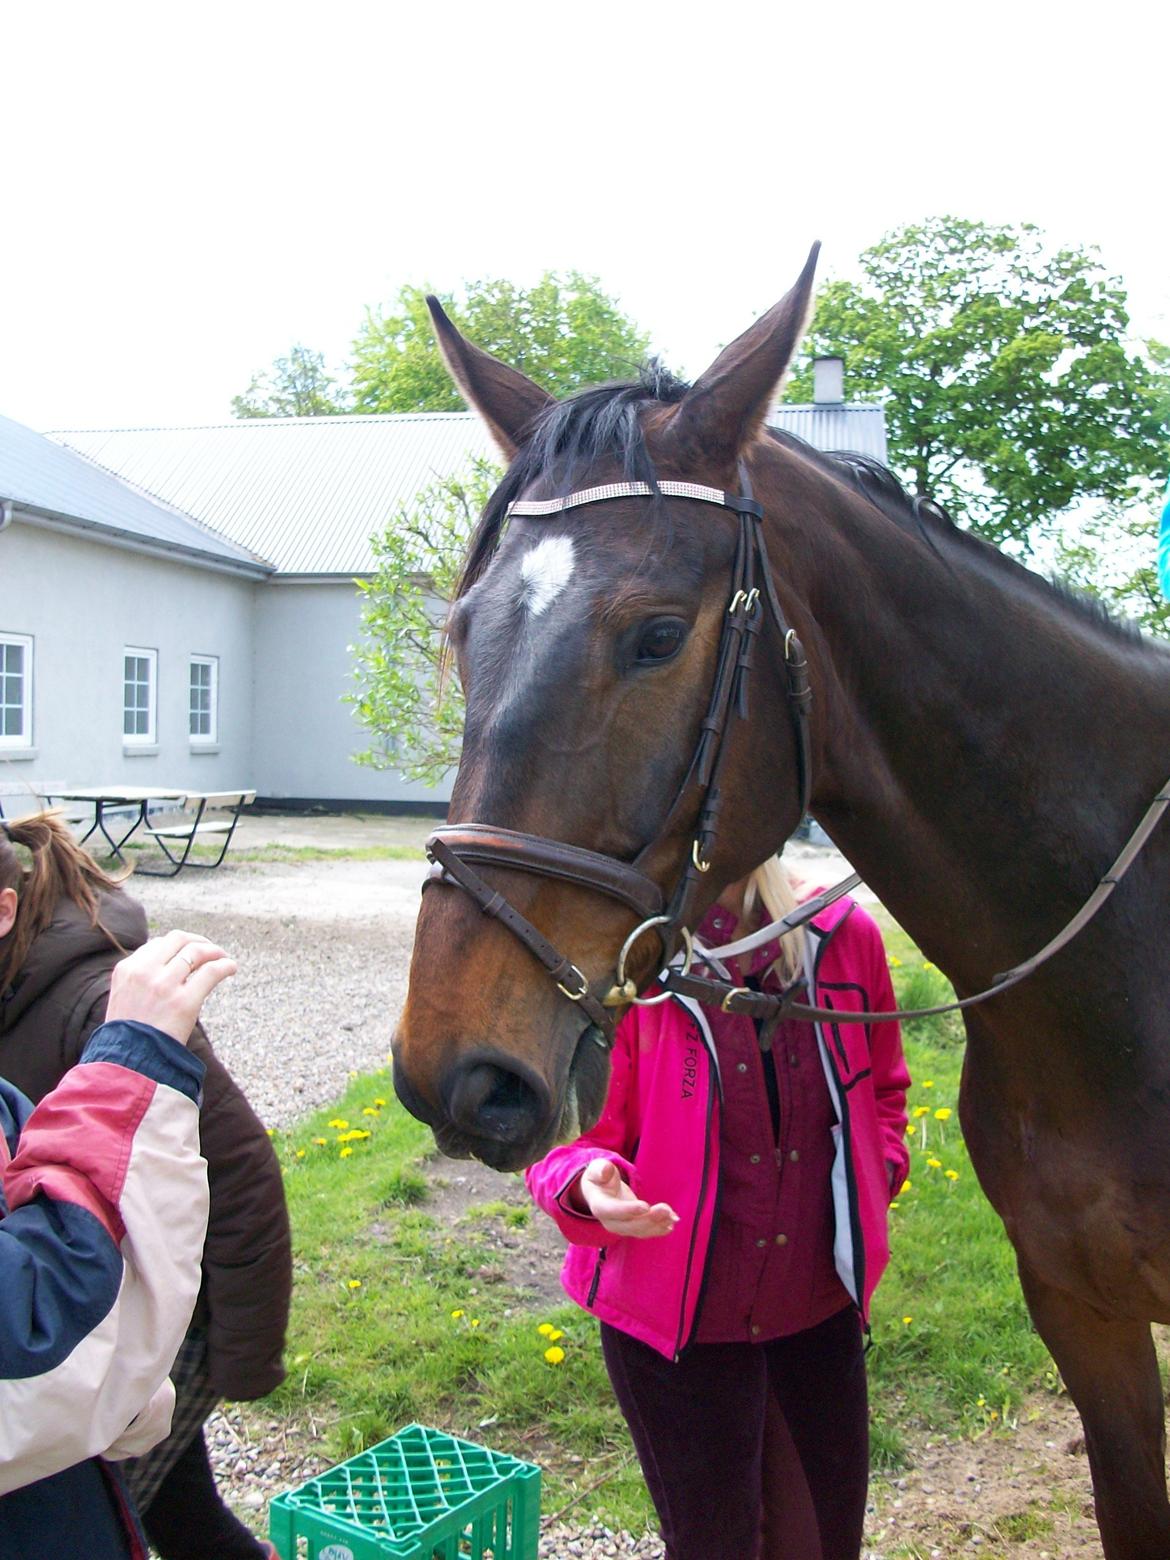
149 737
209 737
18 742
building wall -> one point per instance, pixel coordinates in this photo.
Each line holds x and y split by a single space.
82 603
305 733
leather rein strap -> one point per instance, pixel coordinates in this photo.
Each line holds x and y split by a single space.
782 1004
453 847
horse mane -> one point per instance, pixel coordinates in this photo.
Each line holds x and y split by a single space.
602 422
922 514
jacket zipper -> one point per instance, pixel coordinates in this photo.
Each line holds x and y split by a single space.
680 1342
596 1279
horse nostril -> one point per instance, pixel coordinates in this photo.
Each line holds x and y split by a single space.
494 1102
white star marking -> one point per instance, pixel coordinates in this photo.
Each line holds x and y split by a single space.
545 572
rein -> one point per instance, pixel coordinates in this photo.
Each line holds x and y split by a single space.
776 1005
452 848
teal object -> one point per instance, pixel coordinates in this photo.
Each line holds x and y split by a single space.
421 1495
1164 547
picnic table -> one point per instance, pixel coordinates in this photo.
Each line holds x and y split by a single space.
175 839
106 799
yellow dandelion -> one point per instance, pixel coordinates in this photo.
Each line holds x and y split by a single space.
339 1123
928 1083
943 1115
300 1153
546 1329
951 1175
554 1335
355 1283
321 1142
909 1129
379 1102
269 1131
906 1320
554 1356
934 1164
345 1152
895 962
455 1315
921 1110
894 1204
370 1110
927 965
905 1187
474 1322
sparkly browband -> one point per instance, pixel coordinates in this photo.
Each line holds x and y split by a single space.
599 495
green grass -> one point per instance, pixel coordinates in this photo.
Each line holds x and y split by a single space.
279 852
399 1318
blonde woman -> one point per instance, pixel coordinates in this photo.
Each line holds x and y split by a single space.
726 1221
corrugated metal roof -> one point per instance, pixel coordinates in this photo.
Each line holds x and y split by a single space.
847 426
37 474
308 492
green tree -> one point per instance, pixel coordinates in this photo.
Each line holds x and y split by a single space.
565 333
1009 388
1114 557
295 386
406 697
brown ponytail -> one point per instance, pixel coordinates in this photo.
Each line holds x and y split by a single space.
60 869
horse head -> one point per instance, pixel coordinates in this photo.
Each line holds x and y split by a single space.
590 632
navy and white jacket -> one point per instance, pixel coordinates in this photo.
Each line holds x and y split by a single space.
103 1209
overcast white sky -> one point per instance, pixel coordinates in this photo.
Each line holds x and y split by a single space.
186 190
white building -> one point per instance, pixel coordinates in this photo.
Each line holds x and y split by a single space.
177 604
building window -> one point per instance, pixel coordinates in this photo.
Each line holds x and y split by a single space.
203 699
139 695
15 691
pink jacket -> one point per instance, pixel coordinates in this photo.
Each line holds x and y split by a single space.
660 1126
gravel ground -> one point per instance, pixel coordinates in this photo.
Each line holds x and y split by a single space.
324 950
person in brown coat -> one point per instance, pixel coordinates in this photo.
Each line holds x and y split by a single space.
73 924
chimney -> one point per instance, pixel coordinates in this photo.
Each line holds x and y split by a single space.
828 381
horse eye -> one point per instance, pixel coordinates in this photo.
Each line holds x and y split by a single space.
660 640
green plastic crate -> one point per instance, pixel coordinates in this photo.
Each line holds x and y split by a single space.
421 1495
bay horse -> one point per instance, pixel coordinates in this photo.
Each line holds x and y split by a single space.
979 745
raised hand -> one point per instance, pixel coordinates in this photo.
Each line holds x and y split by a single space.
166 981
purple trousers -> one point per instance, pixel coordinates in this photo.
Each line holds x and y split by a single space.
752 1451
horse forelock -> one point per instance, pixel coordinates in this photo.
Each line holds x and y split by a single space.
598 427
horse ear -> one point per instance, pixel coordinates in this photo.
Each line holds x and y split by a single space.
506 399
726 405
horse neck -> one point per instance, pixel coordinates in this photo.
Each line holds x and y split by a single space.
976 731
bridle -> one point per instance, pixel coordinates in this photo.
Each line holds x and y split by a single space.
452 849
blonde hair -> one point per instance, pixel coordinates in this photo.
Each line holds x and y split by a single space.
59 869
771 886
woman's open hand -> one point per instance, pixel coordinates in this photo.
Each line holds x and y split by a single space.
166 981
613 1204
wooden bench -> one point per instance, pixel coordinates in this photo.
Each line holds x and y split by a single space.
176 840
